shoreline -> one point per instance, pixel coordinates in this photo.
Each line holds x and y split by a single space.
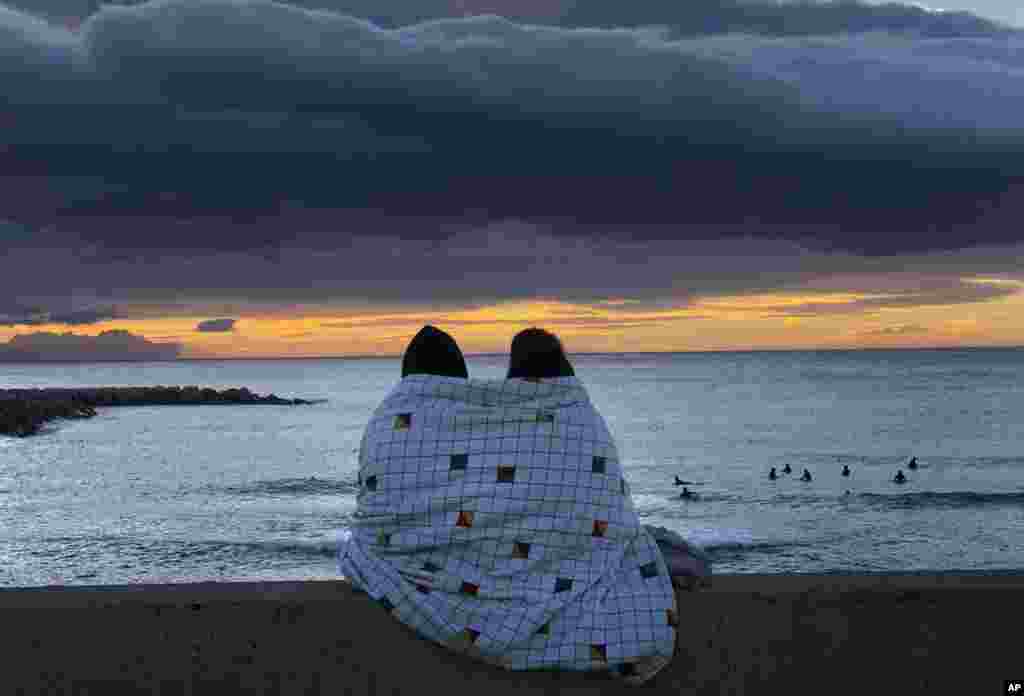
23 412
894 633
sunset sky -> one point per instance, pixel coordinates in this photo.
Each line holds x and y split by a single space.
228 178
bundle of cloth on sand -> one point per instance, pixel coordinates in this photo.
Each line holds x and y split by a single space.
494 518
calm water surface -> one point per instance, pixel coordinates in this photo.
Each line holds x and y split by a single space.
183 493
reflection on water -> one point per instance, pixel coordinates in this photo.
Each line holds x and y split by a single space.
187 493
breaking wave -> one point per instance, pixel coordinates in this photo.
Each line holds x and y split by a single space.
957 499
295 486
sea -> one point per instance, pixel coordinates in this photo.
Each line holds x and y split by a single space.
176 494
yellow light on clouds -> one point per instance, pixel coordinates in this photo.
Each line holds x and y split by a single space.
740 322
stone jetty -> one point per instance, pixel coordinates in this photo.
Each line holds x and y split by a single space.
24 411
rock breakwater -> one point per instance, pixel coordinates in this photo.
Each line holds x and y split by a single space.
24 411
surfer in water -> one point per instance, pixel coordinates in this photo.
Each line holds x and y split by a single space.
687 494
680 482
787 469
806 476
900 478
772 475
913 463
846 470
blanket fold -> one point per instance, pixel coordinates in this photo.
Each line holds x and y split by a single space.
493 517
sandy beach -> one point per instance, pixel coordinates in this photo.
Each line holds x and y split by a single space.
746 634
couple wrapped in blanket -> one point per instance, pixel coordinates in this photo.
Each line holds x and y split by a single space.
494 518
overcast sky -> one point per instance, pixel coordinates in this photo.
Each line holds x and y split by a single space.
322 178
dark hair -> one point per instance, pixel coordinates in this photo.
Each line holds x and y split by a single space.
537 354
433 352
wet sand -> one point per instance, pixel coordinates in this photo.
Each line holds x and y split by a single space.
746 634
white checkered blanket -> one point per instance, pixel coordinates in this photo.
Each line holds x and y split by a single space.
493 517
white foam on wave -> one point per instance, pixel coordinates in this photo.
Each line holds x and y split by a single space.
326 545
703 536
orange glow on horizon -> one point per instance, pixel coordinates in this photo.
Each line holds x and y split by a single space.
771 321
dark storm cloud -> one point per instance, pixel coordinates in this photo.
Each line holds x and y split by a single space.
393 14
691 18
198 114
197 154
702 17
109 345
22 316
16 315
216 325
53 9
84 316
506 261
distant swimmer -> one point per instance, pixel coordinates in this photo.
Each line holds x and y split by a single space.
846 493
680 482
806 476
913 463
688 494
900 478
846 470
772 475
787 469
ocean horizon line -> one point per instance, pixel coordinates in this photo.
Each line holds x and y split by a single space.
396 356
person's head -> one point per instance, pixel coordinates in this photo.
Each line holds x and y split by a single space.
433 352
538 354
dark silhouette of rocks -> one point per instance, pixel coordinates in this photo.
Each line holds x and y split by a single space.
22 418
24 411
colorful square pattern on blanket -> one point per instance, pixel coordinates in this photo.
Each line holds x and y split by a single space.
493 517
